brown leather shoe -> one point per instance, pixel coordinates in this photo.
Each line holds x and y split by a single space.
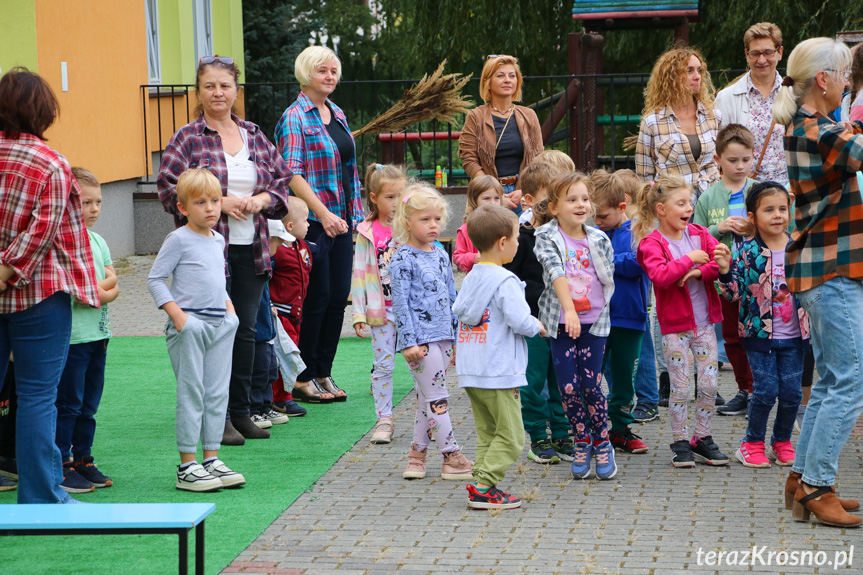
231 436
793 482
824 504
248 429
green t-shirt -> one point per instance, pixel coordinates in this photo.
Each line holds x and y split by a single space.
90 324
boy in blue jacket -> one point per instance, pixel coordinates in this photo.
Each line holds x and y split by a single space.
628 309
492 355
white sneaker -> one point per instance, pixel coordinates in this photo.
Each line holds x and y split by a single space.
262 421
224 474
276 418
196 478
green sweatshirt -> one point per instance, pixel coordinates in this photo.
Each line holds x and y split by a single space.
712 208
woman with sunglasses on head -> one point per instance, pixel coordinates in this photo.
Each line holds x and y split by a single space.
254 181
499 138
749 101
823 267
315 140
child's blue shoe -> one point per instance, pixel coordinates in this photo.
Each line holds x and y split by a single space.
605 466
581 459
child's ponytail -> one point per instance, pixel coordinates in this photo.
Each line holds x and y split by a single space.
376 175
646 198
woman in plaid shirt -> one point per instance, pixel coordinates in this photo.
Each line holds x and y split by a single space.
679 123
824 267
45 260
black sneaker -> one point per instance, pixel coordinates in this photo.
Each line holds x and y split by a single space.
682 454
290 408
7 484
645 412
564 447
542 451
704 450
73 482
627 441
9 467
87 469
664 389
737 406
719 400
493 499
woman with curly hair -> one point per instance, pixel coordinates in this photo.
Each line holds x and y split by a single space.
679 122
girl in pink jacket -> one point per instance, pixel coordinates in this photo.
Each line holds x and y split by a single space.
481 190
370 287
678 259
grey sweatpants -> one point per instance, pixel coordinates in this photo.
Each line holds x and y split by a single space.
201 356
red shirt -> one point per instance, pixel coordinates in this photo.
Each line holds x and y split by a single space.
291 267
42 233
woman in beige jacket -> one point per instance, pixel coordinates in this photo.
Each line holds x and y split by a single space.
499 138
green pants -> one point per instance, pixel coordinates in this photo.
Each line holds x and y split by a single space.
499 431
622 350
537 412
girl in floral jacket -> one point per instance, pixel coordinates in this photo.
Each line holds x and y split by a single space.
773 328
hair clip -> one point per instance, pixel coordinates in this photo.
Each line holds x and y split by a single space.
379 166
406 198
652 184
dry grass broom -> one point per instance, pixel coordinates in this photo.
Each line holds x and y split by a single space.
435 97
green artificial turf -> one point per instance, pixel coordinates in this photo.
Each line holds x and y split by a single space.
135 446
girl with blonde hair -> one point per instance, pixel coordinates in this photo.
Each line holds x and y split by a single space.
423 291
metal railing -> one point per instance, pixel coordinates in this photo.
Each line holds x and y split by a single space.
608 104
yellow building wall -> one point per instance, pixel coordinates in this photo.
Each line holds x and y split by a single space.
18 35
103 43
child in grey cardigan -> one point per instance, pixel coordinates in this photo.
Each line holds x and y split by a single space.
200 330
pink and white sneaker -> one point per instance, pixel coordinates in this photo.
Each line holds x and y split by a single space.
751 454
782 452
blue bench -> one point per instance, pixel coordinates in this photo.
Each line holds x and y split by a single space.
113 519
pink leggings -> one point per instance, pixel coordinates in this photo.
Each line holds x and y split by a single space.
432 419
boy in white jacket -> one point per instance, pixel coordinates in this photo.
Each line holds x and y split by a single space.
492 354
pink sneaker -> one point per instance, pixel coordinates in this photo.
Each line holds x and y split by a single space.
751 454
782 452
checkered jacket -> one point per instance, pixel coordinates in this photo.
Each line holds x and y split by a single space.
42 236
196 145
550 250
827 240
310 152
663 149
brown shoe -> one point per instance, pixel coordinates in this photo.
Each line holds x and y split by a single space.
793 482
416 464
231 436
824 504
457 467
248 429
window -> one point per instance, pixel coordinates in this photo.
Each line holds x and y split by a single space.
154 63
203 29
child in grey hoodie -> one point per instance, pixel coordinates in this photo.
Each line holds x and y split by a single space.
492 354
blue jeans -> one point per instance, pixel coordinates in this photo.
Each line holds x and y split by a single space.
78 398
837 398
507 189
776 374
39 339
720 343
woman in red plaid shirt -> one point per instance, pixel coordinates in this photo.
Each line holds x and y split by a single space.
45 261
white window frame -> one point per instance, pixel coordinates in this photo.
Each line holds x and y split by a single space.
154 56
203 15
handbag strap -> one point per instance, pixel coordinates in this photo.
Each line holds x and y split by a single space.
504 130
764 147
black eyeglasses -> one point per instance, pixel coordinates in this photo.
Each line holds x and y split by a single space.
219 59
755 54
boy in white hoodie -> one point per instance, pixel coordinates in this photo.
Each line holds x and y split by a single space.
492 354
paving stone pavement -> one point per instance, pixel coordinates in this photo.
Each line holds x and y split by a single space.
362 517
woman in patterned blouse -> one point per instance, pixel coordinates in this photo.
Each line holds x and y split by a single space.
679 123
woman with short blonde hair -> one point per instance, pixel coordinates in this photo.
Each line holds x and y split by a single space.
499 138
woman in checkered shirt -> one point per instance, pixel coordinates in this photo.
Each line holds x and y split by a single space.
45 261
679 123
